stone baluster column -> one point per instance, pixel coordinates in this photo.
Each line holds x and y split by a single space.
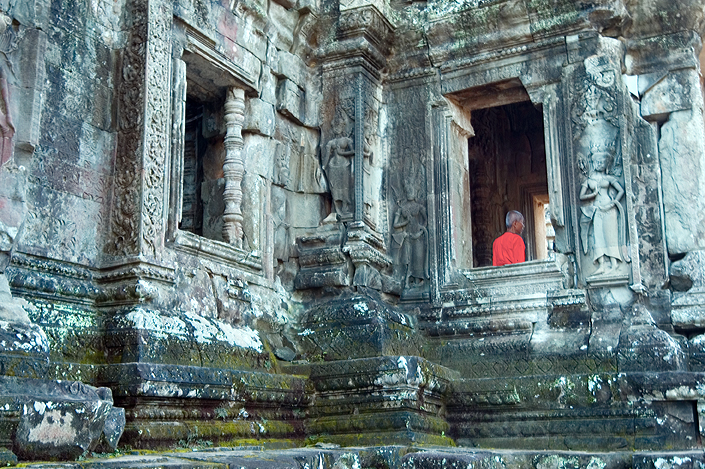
234 166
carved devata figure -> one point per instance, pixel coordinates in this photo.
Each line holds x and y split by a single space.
602 229
595 120
337 164
368 162
410 235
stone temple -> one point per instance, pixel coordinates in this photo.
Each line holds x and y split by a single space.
268 224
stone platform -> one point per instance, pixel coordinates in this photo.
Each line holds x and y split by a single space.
385 457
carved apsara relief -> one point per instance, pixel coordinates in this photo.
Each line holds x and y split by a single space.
407 198
596 129
410 236
602 227
337 161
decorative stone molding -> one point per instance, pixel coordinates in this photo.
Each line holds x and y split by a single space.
216 251
369 23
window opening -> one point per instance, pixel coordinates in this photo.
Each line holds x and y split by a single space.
204 154
507 162
192 207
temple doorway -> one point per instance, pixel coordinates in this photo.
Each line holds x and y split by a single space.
507 166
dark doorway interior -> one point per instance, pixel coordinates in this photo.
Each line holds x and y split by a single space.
507 161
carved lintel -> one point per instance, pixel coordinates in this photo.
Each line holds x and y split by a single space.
234 166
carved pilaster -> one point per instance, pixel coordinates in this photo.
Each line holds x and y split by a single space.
125 216
137 218
234 166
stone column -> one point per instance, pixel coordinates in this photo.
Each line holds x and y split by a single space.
234 166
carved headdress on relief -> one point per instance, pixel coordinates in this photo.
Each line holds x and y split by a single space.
596 95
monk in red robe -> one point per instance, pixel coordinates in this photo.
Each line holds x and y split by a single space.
509 248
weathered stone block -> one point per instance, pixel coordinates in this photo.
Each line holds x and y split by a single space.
340 415
306 210
283 21
672 93
259 117
140 335
291 67
57 420
13 183
642 346
250 35
268 86
687 280
682 156
24 348
683 460
112 430
75 240
224 404
314 101
291 100
357 326
27 122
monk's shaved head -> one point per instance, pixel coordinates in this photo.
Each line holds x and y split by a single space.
513 216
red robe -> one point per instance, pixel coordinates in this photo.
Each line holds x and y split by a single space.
508 249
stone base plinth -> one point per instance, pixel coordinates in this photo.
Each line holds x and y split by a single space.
357 326
173 405
592 412
367 401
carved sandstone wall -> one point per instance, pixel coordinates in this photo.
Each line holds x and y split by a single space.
218 209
